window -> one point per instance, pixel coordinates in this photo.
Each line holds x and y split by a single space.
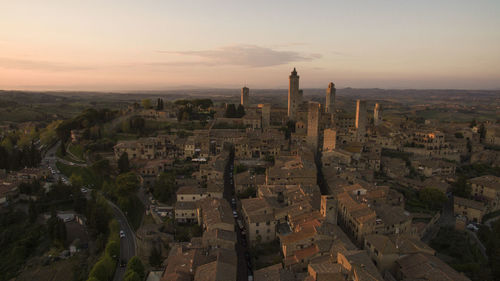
257 224
268 222
257 231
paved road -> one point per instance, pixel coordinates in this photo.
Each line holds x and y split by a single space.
128 243
242 269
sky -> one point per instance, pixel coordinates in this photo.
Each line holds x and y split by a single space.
128 45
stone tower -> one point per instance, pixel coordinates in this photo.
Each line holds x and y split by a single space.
360 117
377 114
329 139
293 94
313 123
245 97
330 98
329 208
266 115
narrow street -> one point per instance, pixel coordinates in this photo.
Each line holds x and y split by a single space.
242 273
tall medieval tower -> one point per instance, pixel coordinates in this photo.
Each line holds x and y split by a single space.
293 94
361 118
330 98
377 114
245 96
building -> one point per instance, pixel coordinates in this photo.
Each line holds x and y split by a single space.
245 97
313 124
259 219
294 96
377 114
329 209
470 209
360 118
186 212
384 250
330 98
329 139
487 188
425 267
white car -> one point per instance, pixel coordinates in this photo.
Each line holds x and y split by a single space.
235 214
122 234
472 227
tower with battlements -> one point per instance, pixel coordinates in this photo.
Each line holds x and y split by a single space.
293 94
313 115
361 118
330 98
245 97
377 114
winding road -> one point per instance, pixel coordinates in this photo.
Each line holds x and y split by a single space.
128 244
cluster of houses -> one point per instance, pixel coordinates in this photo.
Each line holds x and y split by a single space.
315 190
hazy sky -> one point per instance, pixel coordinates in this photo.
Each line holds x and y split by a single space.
161 44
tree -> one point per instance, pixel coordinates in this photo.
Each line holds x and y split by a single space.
231 111
155 258
461 188
159 104
123 164
99 271
165 187
132 276
32 211
76 180
113 249
56 229
482 131
63 149
135 264
137 124
473 123
240 112
146 103
126 184
432 197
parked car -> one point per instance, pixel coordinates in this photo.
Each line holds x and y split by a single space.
122 234
235 214
472 227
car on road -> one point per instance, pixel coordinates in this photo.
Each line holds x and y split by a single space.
472 227
122 234
235 214
123 263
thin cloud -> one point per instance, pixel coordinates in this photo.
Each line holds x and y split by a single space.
11 63
243 55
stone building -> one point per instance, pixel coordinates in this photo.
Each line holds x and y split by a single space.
245 97
294 95
361 118
377 114
313 124
330 98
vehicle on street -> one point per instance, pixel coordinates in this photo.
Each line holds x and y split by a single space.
235 214
122 234
472 227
